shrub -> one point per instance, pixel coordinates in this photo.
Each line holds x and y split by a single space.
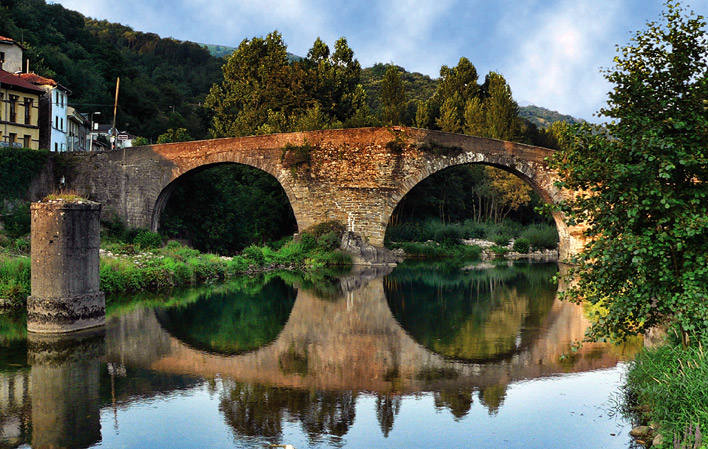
522 245
329 241
324 228
21 245
254 255
501 239
541 236
17 221
308 241
473 230
147 240
448 234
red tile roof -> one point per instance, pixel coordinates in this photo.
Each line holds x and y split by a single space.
7 39
38 80
14 80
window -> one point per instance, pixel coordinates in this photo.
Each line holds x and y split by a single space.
28 111
2 59
13 109
56 97
27 141
56 122
56 147
62 125
13 138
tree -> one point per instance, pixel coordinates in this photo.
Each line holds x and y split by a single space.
174 135
393 97
500 110
258 79
449 120
641 183
474 118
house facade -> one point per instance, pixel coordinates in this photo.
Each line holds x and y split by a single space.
53 109
19 112
10 55
78 130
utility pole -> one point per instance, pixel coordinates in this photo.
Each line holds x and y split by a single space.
115 108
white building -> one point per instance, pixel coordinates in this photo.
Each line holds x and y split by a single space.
53 108
10 55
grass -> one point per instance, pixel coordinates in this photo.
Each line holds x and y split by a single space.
668 385
176 265
146 266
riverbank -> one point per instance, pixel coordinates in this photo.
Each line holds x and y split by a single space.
471 240
667 393
133 268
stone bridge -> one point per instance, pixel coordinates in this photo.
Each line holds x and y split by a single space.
354 176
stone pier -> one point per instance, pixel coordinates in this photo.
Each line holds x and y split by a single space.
65 267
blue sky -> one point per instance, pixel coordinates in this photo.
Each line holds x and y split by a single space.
550 52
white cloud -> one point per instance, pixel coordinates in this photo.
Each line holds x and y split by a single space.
404 35
558 59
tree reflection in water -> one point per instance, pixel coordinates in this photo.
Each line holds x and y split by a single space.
254 410
477 315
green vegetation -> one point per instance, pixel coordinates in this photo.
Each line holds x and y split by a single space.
643 192
14 278
543 118
522 245
226 208
538 236
457 252
176 265
667 385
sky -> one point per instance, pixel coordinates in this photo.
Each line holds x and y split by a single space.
550 51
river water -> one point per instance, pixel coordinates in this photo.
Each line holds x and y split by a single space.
417 357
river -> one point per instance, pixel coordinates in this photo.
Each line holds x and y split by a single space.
417 357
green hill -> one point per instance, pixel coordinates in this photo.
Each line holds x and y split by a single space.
543 117
222 51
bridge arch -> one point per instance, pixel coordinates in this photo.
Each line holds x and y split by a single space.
167 190
538 178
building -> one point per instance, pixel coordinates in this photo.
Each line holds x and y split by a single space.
124 139
79 128
53 106
19 112
10 55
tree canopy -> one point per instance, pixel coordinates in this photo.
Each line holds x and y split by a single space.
642 182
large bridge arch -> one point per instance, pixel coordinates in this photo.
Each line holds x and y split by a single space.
166 192
538 177
354 176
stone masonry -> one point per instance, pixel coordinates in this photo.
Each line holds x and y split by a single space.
354 176
65 277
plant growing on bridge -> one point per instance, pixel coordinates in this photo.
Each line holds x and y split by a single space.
644 196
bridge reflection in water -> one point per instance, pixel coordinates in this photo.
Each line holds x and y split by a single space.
276 355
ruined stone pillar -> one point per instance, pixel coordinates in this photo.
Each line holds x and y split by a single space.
65 381
65 267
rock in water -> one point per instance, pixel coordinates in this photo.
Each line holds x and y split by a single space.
364 253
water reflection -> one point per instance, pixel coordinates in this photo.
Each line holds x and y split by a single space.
476 315
225 323
65 389
364 348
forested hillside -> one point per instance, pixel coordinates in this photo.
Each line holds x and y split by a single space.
163 81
